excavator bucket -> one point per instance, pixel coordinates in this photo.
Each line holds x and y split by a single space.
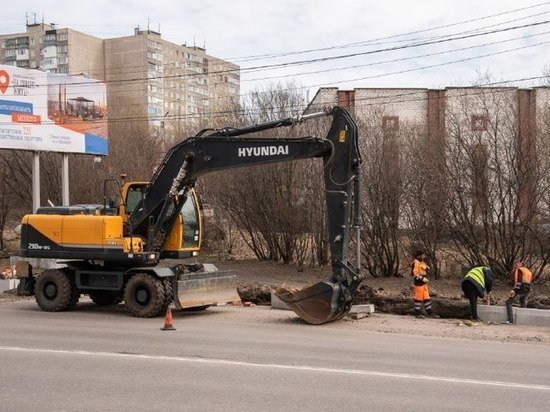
320 303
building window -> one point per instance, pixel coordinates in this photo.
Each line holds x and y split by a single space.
390 122
479 123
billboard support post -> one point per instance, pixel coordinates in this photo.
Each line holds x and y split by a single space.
35 181
65 180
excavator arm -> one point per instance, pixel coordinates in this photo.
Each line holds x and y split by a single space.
163 198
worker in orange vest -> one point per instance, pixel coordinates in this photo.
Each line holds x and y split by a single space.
522 286
419 270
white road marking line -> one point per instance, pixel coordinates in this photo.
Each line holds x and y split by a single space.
280 366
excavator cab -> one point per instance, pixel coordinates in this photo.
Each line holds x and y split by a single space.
185 236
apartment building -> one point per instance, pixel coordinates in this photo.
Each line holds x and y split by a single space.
168 87
183 84
59 50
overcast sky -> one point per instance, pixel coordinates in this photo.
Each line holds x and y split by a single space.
322 43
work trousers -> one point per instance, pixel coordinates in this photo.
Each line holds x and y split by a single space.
422 298
471 293
522 301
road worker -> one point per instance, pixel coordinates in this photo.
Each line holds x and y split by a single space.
477 282
419 270
522 285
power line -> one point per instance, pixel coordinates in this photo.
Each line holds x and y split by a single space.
400 59
246 58
165 90
406 97
332 58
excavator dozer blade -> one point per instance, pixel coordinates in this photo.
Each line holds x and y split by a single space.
316 304
203 289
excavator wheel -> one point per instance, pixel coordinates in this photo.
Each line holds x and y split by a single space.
54 291
144 295
105 297
75 297
168 293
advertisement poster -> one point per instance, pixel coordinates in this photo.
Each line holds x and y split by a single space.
52 112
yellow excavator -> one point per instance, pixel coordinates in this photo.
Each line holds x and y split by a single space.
114 252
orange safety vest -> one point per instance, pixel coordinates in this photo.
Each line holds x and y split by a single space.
421 291
526 275
419 268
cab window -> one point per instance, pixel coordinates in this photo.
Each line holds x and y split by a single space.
133 197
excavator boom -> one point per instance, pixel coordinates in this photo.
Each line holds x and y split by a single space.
165 194
332 299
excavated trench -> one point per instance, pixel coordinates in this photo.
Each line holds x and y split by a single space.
399 304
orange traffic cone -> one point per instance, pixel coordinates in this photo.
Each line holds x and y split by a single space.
168 320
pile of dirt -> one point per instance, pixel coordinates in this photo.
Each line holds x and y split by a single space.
389 295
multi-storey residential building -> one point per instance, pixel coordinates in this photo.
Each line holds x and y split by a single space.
174 86
59 50
166 86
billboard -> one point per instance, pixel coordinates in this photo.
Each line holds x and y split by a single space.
52 112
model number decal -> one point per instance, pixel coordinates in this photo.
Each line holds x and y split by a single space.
36 246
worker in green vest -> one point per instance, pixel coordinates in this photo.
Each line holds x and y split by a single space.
477 282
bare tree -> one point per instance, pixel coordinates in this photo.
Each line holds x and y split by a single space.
424 193
382 187
277 208
488 183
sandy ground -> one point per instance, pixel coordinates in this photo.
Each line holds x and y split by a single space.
377 322
275 275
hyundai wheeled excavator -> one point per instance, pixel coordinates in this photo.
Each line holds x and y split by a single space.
114 252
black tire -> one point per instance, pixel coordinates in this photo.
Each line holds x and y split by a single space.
105 297
54 291
144 295
168 293
75 297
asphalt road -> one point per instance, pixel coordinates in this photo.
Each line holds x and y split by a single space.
252 359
